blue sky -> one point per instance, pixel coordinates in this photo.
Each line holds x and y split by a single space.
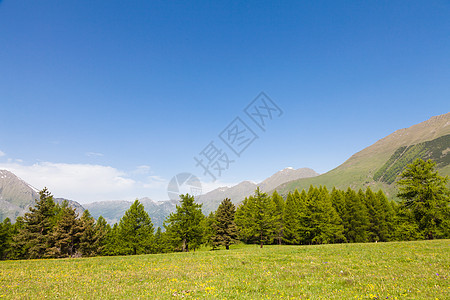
104 100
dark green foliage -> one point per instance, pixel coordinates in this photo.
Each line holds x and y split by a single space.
406 228
225 231
6 233
113 242
36 227
426 195
355 218
278 202
101 229
162 244
136 230
291 230
64 239
407 154
326 225
255 218
209 231
313 217
89 244
184 228
297 219
378 174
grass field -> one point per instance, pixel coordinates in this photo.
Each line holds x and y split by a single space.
406 270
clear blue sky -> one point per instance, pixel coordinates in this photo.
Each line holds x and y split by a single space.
110 99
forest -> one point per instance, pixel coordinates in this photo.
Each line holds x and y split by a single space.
315 216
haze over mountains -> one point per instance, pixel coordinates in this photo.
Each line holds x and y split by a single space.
238 192
375 166
16 196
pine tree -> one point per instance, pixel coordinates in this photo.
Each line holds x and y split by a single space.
244 219
387 213
209 231
292 220
425 193
64 239
136 230
184 227
278 203
114 244
355 218
376 217
88 237
6 232
36 227
101 229
161 242
338 200
326 224
406 227
255 218
224 225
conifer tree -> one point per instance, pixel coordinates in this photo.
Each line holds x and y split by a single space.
387 213
88 237
184 227
338 200
209 231
101 229
114 244
292 220
136 230
224 225
244 220
255 218
64 239
355 218
278 203
6 232
35 227
161 242
326 224
425 193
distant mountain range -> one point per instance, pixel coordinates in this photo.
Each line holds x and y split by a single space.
375 166
16 196
112 211
238 192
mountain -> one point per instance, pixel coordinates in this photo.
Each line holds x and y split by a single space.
16 196
378 165
112 211
238 192
79 209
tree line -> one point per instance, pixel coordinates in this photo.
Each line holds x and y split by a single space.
315 216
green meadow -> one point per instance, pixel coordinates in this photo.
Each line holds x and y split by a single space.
395 270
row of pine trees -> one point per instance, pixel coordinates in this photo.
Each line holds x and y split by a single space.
316 216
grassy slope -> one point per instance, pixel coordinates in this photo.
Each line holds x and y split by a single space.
406 270
357 172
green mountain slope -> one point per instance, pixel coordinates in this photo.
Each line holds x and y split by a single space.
378 165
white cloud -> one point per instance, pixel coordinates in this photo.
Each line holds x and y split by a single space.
155 182
94 154
88 183
142 170
209 186
2 153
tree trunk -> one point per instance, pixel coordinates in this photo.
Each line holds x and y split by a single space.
261 239
184 247
227 247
